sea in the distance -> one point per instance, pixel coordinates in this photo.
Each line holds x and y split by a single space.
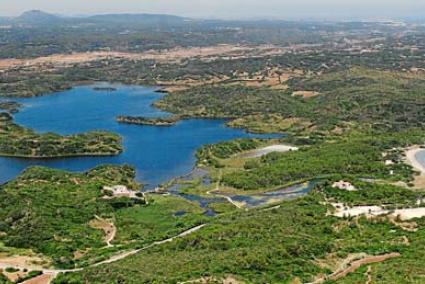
420 157
158 153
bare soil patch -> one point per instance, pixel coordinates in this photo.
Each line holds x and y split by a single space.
353 262
166 55
22 262
305 94
108 228
270 149
41 279
353 266
14 275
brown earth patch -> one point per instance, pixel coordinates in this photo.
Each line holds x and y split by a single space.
407 226
41 279
356 264
28 262
305 94
350 264
14 275
208 280
270 123
166 55
107 226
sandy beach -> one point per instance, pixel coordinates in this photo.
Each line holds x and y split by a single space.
270 149
411 154
411 159
404 214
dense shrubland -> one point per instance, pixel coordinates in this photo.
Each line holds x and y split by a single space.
18 141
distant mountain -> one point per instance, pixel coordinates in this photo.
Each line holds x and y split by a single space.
37 17
141 19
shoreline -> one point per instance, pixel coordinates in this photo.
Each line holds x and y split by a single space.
279 148
412 160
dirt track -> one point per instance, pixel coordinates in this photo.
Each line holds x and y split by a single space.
50 274
349 265
353 266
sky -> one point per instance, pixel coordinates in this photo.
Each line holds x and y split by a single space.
228 9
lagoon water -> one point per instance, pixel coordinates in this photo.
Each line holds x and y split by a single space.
420 156
158 153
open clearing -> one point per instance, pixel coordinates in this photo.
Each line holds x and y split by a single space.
305 94
403 214
352 263
270 149
108 228
42 279
168 55
21 262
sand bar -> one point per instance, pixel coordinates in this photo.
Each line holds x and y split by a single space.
270 149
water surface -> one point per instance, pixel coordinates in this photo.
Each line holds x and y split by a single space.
420 157
158 153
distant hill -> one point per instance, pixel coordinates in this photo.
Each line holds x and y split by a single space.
142 19
37 17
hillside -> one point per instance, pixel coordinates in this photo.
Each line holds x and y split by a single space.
37 17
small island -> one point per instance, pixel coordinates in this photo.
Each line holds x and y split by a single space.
105 89
159 121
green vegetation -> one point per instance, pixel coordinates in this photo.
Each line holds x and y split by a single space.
4 280
227 149
49 210
17 141
210 154
11 270
374 193
383 99
355 155
405 269
273 123
158 220
30 275
40 34
20 279
161 121
351 100
270 246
